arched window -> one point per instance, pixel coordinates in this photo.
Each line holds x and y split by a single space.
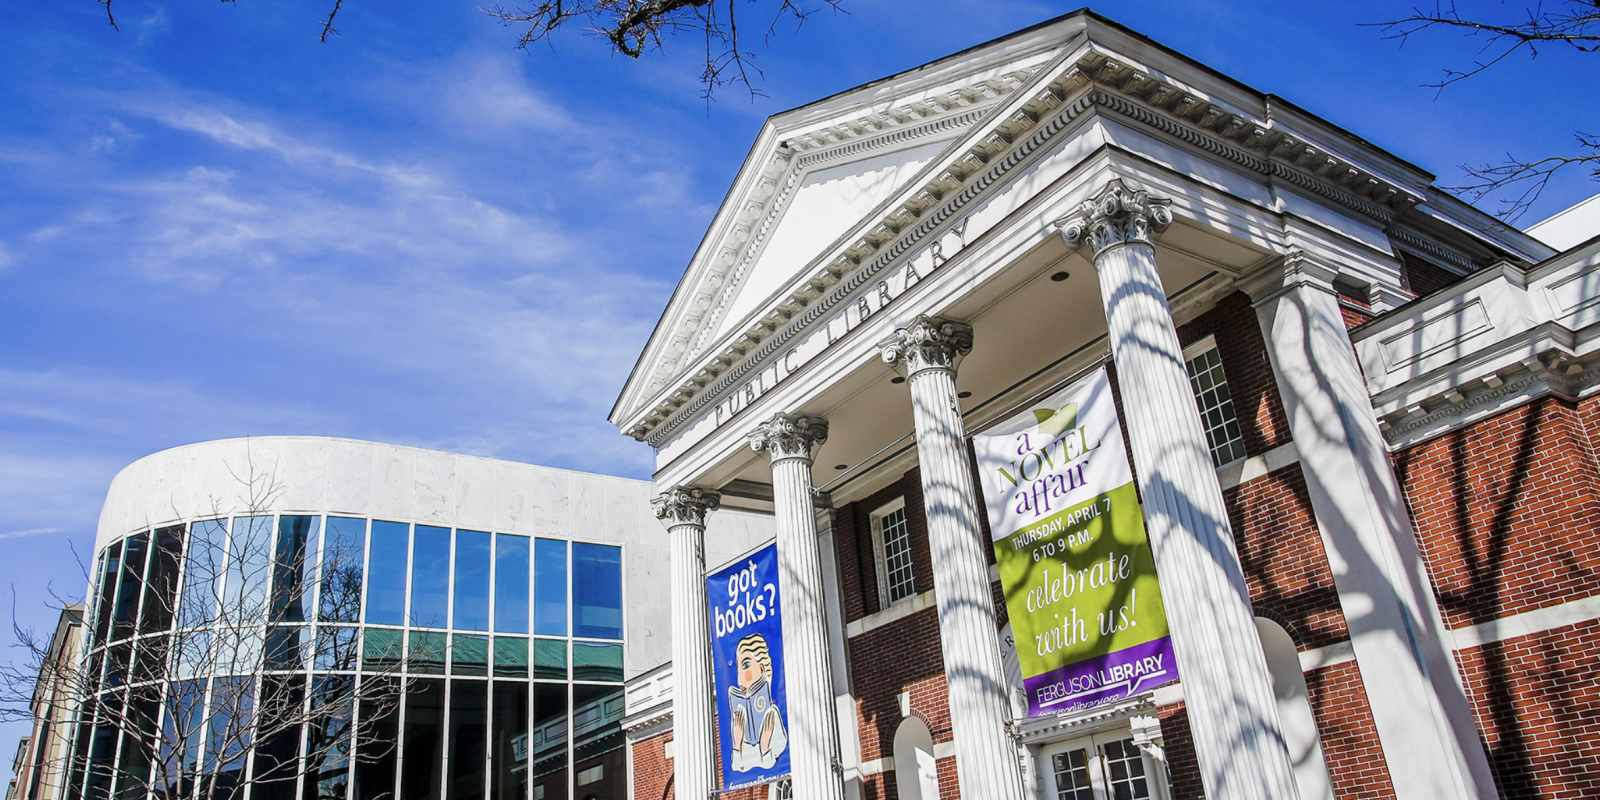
916 775
1294 711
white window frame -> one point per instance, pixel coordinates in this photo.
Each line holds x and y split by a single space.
880 555
1100 782
1190 353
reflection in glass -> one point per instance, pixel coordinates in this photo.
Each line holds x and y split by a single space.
117 661
138 742
424 741
122 619
202 573
232 707
550 659
510 657
294 562
596 591
103 747
599 754
471 611
550 587
328 735
427 653
150 662
381 650
277 758
286 646
596 662
508 778
344 548
430 577
110 567
549 741
510 583
161 586
386 590
377 740
470 656
180 739
336 648
469 706
249 565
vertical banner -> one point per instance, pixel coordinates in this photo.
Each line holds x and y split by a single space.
1079 577
747 648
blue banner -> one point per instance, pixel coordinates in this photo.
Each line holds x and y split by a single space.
747 654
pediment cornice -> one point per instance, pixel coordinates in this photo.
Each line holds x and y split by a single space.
1092 79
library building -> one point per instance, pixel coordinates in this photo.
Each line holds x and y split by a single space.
1123 432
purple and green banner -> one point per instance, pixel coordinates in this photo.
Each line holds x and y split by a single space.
1079 577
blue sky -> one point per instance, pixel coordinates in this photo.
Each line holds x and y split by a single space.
212 225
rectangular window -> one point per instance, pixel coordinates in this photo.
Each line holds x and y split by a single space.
596 591
1125 770
550 587
161 587
549 743
421 770
128 590
596 662
510 657
344 552
427 653
293 564
509 778
202 573
550 659
386 590
471 609
1072 775
469 711
430 576
1217 414
510 583
377 740
249 567
891 539
469 655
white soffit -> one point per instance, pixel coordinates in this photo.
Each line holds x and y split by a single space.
1570 228
827 203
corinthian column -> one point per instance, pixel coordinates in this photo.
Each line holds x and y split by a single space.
791 440
986 758
683 509
1232 713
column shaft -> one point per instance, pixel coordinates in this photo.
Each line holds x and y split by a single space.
986 757
1232 713
1430 740
693 721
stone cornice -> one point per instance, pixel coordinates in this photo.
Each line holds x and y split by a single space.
1051 106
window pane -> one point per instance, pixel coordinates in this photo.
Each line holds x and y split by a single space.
421 766
596 662
336 648
549 743
550 659
329 738
427 653
430 577
510 583
276 767
510 657
249 566
161 586
377 739
286 646
110 567
202 573
601 768
508 778
596 591
386 592
344 548
292 566
470 656
472 581
550 587
381 650
130 586
897 566
469 707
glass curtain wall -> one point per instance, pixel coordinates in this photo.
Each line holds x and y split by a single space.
326 657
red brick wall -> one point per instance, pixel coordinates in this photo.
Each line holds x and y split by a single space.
1182 764
1537 700
858 584
1422 277
1284 563
1507 511
652 770
1349 736
905 655
1248 369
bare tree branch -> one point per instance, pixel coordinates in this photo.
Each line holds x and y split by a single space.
1572 23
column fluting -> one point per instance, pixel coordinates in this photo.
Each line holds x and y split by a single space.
791 441
1232 712
987 762
683 510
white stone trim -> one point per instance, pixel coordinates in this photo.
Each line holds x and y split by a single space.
894 613
1248 469
879 766
1528 623
1327 656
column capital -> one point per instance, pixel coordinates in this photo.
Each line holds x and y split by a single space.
790 436
1117 214
927 343
685 505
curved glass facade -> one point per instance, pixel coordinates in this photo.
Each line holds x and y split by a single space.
301 657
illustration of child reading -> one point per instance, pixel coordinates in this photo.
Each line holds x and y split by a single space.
758 735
